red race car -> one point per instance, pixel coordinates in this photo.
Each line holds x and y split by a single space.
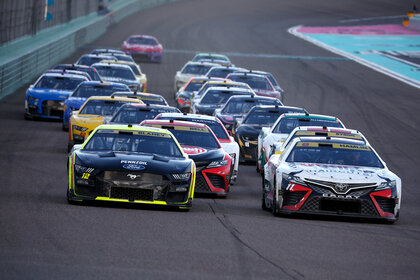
144 48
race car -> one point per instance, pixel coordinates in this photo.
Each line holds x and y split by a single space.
220 59
227 141
83 92
331 176
189 70
215 97
317 131
246 130
214 165
147 98
259 83
132 164
238 105
282 128
183 95
45 98
93 74
143 47
118 73
95 111
140 76
106 50
89 59
223 71
133 113
273 81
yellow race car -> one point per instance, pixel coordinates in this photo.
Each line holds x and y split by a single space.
140 76
93 113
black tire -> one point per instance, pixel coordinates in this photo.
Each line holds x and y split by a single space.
274 208
27 117
263 206
65 127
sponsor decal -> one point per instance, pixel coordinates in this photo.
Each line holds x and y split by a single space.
133 162
193 150
132 166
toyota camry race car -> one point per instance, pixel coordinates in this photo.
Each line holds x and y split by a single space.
282 128
214 165
227 141
331 176
189 70
94 112
133 164
143 47
45 98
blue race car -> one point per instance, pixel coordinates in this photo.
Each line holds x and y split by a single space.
45 98
83 92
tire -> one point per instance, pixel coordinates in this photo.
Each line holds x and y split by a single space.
274 208
65 127
263 206
27 117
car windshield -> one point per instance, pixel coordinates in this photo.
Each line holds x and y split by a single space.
158 100
142 41
59 82
115 72
334 153
96 90
137 115
241 106
133 142
209 56
215 126
135 69
195 85
194 136
89 60
101 107
196 69
257 82
219 96
286 125
220 72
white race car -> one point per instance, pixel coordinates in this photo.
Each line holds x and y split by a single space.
331 176
282 128
227 141
189 70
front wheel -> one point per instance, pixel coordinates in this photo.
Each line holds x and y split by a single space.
274 206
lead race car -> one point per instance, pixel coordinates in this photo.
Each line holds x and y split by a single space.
331 176
126 163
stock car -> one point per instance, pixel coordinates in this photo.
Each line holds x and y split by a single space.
140 76
147 98
238 105
183 95
259 83
89 59
133 113
132 164
331 176
95 111
227 141
106 50
189 70
215 97
214 165
223 71
83 92
212 57
247 129
282 128
143 47
93 74
118 73
45 98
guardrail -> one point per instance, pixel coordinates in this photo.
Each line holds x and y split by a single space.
58 43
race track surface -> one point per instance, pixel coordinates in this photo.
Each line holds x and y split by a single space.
44 237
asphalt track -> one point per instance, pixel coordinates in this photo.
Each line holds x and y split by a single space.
43 237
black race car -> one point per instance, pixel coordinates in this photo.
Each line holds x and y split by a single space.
135 113
246 130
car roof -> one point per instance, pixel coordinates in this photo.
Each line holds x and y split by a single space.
175 123
98 83
114 98
185 115
198 63
308 116
113 65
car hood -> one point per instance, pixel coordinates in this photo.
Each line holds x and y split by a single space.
75 102
132 162
56 93
119 80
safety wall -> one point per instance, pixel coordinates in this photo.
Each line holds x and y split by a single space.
24 59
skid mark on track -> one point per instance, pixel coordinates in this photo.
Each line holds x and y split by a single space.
227 224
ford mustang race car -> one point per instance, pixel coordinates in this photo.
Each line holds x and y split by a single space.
282 128
147 98
214 165
95 111
45 98
133 113
238 105
227 141
246 130
331 176
259 83
118 73
93 74
133 164
189 70
140 76
83 92
215 97
89 59
143 47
